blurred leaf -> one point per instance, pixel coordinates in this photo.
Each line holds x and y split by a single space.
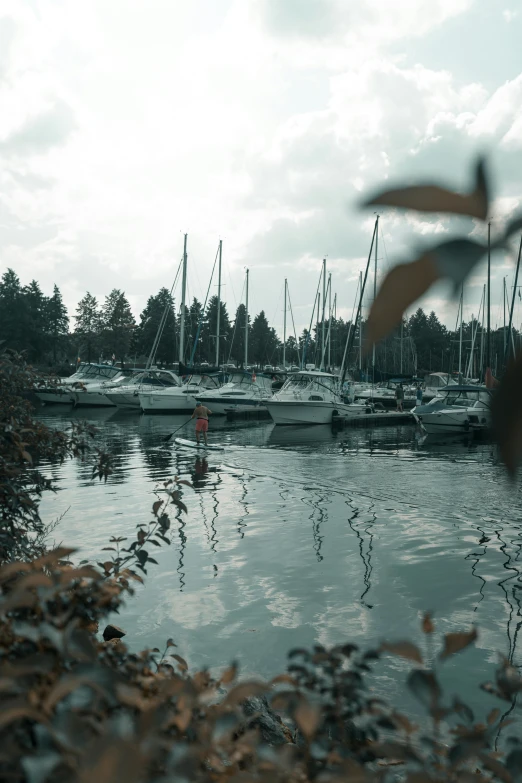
493 716
61 553
243 691
170 643
432 198
307 718
496 767
427 623
9 713
455 642
38 768
506 414
402 286
156 506
514 764
286 678
229 675
403 650
182 662
424 685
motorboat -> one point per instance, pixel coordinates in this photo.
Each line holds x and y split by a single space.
385 395
176 399
85 376
456 409
435 384
243 392
125 395
311 397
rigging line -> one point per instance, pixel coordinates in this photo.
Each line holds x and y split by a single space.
202 316
309 335
235 325
293 324
163 321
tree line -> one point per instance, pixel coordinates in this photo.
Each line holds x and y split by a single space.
41 327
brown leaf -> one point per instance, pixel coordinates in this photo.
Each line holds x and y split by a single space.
496 767
402 286
61 553
455 642
156 506
307 718
170 643
287 678
506 415
229 675
432 198
9 714
493 715
182 662
427 623
243 691
403 650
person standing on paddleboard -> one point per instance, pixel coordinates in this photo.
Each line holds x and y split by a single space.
201 414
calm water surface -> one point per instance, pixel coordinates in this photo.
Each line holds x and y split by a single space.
296 536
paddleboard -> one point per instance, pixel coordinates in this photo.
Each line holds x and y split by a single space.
191 444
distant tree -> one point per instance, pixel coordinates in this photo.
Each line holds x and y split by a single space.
291 350
34 322
88 326
264 340
195 320
150 320
117 325
237 347
210 331
57 320
12 312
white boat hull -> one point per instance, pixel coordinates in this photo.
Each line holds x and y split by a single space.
221 405
125 400
55 396
311 412
444 421
167 403
95 399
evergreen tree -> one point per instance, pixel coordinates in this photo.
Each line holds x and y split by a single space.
34 322
263 340
237 350
12 312
117 325
210 331
88 326
150 319
57 319
195 320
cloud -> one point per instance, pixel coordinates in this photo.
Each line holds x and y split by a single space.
40 133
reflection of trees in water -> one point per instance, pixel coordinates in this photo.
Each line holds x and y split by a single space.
360 526
119 443
318 517
241 522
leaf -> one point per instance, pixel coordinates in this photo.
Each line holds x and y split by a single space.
156 506
182 662
427 623
506 416
514 763
455 642
496 767
243 691
229 675
493 716
433 198
286 678
307 718
61 553
170 643
402 286
403 650
424 685
187 483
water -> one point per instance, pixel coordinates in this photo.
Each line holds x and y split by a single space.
296 536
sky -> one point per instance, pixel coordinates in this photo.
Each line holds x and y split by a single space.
125 124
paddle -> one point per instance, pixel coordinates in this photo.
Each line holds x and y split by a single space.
166 440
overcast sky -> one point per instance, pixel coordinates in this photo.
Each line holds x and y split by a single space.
125 123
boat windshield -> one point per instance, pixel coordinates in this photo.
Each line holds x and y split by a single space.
99 371
464 398
156 378
309 382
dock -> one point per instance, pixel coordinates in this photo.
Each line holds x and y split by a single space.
378 418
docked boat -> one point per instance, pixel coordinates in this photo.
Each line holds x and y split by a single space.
176 399
243 392
86 375
456 409
309 397
126 396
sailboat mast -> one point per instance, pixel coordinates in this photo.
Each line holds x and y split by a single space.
329 320
510 340
482 332
218 316
461 327
183 296
321 367
488 335
246 321
284 326
360 328
504 330
375 288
